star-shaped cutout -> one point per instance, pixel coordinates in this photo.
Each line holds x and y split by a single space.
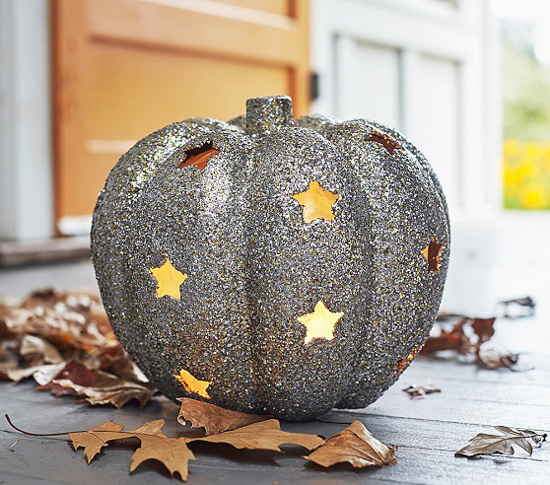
199 156
431 252
386 141
320 323
192 385
169 280
316 202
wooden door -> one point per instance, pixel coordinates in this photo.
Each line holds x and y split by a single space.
426 67
123 68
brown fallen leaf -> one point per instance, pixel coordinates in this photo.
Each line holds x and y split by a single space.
95 439
32 345
488 444
265 435
354 445
173 453
213 419
75 371
420 392
115 360
108 389
518 307
497 359
38 372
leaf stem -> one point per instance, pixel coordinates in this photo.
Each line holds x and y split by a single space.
131 433
8 419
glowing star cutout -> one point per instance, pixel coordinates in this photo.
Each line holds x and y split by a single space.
320 323
192 385
431 252
169 280
316 202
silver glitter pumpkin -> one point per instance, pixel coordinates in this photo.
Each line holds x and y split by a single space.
271 265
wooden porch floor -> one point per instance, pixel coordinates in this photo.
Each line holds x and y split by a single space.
490 261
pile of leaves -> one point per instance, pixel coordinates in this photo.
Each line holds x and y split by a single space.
468 337
63 340
354 445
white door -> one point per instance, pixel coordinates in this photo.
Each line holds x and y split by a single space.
426 67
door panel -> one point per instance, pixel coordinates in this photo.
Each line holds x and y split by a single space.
427 68
123 68
368 81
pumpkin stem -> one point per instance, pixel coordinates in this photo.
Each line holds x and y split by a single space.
269 113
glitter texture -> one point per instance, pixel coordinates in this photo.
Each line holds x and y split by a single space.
254 266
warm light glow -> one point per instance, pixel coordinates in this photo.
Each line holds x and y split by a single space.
192 385
431 252
320 323
316 202
169 280
199 157
404 363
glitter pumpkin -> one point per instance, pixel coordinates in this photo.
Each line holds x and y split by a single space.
272 265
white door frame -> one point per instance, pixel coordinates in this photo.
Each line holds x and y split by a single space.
26 167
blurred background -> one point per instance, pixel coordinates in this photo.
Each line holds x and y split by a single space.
468 81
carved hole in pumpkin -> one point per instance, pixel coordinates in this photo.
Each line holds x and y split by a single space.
193 385
386 141
199 156
316 202
431 252
404 363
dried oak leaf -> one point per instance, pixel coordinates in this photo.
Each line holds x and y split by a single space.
213 419
487 444
99 387
95 439
32 345
420 392
496 359
354 445
75 371
115 360
108 389
265 435
40 373
173 453
453 339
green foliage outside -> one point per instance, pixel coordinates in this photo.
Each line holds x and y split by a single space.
526 90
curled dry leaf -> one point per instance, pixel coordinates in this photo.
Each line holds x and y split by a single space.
518 307
265 435
420 392
173 453
354 445
497 359
40 373
213 419
106 388
35 346
488 444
